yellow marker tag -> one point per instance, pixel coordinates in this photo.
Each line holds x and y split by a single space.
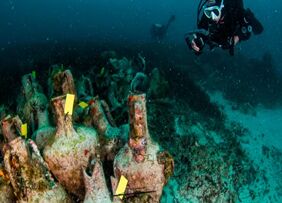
83 105
33 73
24 130
1 173
69 104
121 187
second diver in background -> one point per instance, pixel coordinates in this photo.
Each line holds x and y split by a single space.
158 31
222 23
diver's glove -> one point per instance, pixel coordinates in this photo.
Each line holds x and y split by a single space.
196 40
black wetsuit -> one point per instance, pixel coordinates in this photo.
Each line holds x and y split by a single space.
235 21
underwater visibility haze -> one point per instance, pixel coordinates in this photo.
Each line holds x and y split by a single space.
103 101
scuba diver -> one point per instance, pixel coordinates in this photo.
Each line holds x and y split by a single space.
223 23
158 31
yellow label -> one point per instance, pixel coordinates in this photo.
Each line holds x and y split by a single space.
83 105
1 173
33 73
24 130
69 104
121 187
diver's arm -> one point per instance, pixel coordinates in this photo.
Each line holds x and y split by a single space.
203 23
197 39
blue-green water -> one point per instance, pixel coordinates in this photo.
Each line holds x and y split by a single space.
219 116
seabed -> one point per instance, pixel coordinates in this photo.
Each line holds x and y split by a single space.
210 130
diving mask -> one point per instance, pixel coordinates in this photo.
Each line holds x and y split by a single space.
214 12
